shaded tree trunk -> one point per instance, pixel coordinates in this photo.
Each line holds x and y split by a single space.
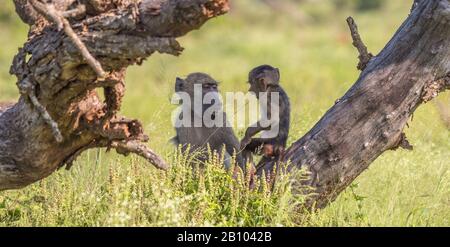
368 120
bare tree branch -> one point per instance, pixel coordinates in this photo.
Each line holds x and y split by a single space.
364 55
44 113
140 149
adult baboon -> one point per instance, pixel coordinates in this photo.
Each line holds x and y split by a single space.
206 125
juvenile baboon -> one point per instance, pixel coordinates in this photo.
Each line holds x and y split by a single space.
265 79
196 130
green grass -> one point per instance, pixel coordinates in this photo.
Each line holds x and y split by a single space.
318 64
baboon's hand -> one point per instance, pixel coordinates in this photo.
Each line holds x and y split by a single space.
269 150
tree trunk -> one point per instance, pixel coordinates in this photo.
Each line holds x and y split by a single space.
59 113
368 120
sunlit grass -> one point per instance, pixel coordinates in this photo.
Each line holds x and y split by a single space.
124 192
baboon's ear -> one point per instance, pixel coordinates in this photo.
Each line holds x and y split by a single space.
179 80
278 72
278 75
179 83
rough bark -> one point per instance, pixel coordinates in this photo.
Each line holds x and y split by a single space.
55 78
368 120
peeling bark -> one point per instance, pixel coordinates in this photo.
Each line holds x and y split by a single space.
118 33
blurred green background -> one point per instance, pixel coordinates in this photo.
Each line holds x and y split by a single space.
309 41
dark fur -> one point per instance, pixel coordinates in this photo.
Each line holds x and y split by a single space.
266 78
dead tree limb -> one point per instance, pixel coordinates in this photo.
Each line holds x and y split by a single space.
56 62
138 148
369 119
364 55
43 112
58 17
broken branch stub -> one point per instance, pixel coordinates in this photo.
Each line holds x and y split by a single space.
364 55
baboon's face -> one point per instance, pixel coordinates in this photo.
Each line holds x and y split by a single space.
261 77
196 80
199 81
257 85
